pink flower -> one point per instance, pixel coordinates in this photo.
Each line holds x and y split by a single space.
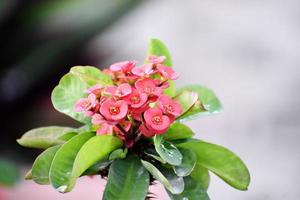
156 121
96 89
136 99
146 132
125 66
122 90
97 119
169 106
144 70
114 110
105 128
156 59
86 104
148 86
167 72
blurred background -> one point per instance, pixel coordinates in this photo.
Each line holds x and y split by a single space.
246 51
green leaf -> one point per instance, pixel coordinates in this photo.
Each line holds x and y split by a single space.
41 166
158 48
63 161
45 137
178 131
91 75
207 102
71 88
189 160
220 161
9 174
167 178
94 169
153 154
118 154
167 151
127 180
192 191
187 100
201 176
97 148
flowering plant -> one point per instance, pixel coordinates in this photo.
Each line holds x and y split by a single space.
133 133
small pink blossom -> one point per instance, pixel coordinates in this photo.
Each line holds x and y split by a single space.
169 106
97 119
148 86
136 99
156 59
146 132
96 89
86 104
125 66
105 128
144 70
167 72
114 110
156 121
122 90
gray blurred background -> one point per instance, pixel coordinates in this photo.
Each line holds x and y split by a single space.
246 51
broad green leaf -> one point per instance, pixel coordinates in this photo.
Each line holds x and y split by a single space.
41 166
187 100
127 180
158 48
45 137
91 75
94 169
153 154
201 176
9 173
71 88
207 102
63 161
167 151
220 161
118 154
178 131
193 190
189 160
167 178
94 150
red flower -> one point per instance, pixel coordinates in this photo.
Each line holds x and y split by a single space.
156 121
169 106
114 110
136 99
148 86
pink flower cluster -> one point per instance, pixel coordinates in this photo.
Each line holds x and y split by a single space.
136 104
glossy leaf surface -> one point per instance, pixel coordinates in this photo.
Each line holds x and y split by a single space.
188 163
167 178
63 161
127 180
167 151
178 131
41 166
94 150
45 137
71 88
192 191
207 102
220 161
